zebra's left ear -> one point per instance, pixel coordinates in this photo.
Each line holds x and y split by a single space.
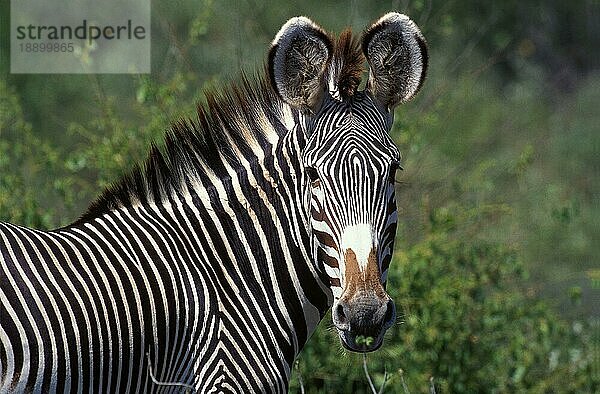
397 55
298 59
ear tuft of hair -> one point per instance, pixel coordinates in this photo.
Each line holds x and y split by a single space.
347 65
397 55
299 56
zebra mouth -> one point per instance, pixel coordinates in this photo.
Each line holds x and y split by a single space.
360 343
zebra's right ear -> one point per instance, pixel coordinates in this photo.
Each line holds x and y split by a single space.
298 58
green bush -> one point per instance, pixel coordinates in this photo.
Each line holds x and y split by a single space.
466 320
19 203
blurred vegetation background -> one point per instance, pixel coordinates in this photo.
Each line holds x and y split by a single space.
497 270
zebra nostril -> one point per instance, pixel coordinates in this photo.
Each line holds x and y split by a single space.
340 314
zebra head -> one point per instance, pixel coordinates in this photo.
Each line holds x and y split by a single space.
349 159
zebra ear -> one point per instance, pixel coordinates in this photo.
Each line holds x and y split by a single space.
397 55
298 59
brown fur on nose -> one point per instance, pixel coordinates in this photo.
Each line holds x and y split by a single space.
358 281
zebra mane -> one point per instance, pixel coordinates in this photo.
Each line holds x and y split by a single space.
239 120
236 121
347 65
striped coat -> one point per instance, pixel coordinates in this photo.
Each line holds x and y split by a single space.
208 268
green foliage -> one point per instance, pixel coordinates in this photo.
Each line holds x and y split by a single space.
108 144
495 271
19 201
465 320
362 340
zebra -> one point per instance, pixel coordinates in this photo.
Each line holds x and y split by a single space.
208 267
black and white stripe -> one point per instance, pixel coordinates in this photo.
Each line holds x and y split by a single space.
355 161
209 267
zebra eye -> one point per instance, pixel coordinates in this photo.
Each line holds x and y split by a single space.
313 175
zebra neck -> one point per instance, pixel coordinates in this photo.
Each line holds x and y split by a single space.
243 229
260 214
231 186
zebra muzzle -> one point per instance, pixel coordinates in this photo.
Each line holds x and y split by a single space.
364 311
362 321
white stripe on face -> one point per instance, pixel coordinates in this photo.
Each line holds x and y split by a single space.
359 238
